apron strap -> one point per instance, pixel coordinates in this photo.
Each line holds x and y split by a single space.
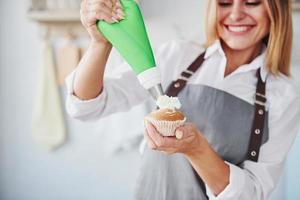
260 102
179 84
259 119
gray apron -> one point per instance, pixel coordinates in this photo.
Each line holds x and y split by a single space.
224 120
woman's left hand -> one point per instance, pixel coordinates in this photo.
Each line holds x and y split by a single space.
189 140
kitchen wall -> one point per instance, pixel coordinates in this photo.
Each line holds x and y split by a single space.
84 167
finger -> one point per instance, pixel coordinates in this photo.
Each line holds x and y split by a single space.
114 2
119 13
93 16
153 146
161 141
99 7
150 143
83 11
119 4
103 3
118 8
109 4
106 13
87 17
156 137
168 153
102 9
90 18
103 14
185 131
113 7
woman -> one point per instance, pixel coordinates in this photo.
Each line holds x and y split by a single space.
242 110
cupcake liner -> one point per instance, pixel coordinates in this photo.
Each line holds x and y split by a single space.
165 128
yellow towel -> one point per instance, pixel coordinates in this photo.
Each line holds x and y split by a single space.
48 125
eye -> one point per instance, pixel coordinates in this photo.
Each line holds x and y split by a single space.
252 3
224 3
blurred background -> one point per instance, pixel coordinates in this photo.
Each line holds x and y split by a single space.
45 155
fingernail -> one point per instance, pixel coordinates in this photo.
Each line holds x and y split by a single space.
114 19
120 11
120 16
179 134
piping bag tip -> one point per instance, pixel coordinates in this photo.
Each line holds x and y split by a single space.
156 91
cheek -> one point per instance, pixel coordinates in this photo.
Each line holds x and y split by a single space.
264 25
221 15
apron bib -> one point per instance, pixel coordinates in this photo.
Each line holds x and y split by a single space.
224 120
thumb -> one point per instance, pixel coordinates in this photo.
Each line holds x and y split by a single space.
181 132
184 131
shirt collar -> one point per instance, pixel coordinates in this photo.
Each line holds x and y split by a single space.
258 62
214 48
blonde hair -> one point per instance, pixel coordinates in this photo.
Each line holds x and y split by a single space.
279 40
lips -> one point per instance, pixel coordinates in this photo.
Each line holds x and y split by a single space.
239 28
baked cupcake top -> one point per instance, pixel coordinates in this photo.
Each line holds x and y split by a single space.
167 114
167 109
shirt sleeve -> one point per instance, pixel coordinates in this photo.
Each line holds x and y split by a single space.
256 180
118 94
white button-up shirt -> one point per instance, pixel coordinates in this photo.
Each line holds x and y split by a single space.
253 180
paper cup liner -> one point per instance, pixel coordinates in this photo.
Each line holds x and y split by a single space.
165 128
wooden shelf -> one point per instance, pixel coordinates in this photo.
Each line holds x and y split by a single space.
58 23
54 16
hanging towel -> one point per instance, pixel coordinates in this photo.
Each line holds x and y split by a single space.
48 124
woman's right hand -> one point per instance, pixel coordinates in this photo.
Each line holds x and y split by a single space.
91 11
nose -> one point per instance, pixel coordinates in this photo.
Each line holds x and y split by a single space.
237 12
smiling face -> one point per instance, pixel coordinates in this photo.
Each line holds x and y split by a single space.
242 24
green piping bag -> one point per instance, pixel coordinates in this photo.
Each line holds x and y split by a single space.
130 38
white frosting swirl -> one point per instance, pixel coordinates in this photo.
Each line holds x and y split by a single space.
168 102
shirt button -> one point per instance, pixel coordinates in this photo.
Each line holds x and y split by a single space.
261 112
257 131
253 153
177 85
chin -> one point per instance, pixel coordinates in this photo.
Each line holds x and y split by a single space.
238 44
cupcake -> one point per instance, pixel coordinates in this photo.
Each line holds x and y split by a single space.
166 119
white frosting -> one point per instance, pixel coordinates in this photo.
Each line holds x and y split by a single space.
168 102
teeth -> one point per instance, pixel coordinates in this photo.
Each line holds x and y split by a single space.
238 29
